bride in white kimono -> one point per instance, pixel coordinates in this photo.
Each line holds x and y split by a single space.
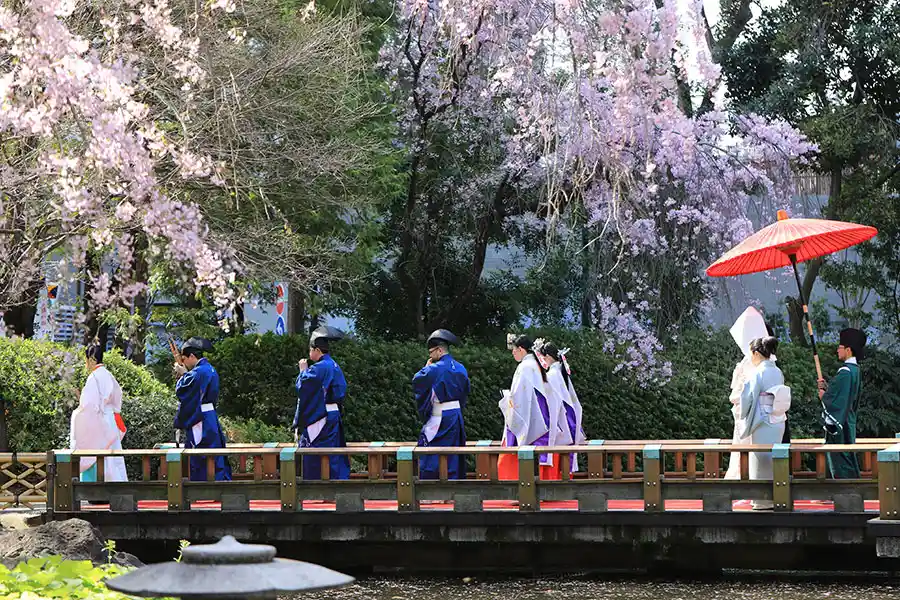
748 327
764 403
94 425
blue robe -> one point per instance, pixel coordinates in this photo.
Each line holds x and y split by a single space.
198 389
321 384
442 381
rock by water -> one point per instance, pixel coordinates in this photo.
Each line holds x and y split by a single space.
73 539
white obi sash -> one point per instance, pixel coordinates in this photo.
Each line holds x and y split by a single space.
313 431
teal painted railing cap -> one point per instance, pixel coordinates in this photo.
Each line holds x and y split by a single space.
484 442
63 456
270 445
781 450
651 451
287 453
596 442
889 454
174 455
526 452
376 444
405 452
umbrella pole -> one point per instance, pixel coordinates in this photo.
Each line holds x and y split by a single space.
809 328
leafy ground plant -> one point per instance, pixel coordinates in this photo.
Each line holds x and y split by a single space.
54 577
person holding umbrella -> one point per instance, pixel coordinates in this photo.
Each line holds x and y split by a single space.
198 394
321 388
441 389
789 242
840 402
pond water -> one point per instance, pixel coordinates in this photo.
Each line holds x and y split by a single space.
761 586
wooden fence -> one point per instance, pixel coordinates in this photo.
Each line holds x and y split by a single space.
647 472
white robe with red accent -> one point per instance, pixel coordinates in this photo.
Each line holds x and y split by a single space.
93 424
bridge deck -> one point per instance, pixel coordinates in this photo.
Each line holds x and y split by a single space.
816 506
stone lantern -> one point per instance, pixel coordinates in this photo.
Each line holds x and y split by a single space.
227 570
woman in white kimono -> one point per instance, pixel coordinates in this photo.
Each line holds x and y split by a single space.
764 404
94 424
528 416
748 327
560 379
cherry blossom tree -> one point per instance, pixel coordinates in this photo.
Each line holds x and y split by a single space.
586 103
199 139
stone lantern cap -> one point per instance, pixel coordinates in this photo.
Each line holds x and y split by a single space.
227 569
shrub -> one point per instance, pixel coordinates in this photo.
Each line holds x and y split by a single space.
53 577
40 382
257 375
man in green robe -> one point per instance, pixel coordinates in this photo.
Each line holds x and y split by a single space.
840 399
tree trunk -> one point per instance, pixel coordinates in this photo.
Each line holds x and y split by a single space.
587 281
238 320
141 303
799 335
296 311
20 318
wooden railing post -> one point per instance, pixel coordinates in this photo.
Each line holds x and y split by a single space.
63 495
50 486
406 485
270 462
175 478
288 472
163 467
711 460
376 462
781 480
483 461
888 482
596 461
528 494
652 481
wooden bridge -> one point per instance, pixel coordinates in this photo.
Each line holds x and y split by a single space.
637 504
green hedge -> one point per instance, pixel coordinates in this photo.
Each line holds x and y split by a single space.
39 382
257 377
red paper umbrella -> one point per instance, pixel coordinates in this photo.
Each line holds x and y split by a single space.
787 242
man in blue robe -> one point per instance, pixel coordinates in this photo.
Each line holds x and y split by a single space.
321 389
441 389
198 394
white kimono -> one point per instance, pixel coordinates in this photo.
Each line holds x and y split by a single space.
748 327
93 425
522 413
764 403
570 415
556 387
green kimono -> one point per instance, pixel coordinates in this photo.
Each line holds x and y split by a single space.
841 399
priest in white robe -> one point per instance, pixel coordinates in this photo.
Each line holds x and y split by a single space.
96 424
528 417
559 378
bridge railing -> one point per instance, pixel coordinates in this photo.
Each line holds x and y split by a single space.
803 464
652 477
